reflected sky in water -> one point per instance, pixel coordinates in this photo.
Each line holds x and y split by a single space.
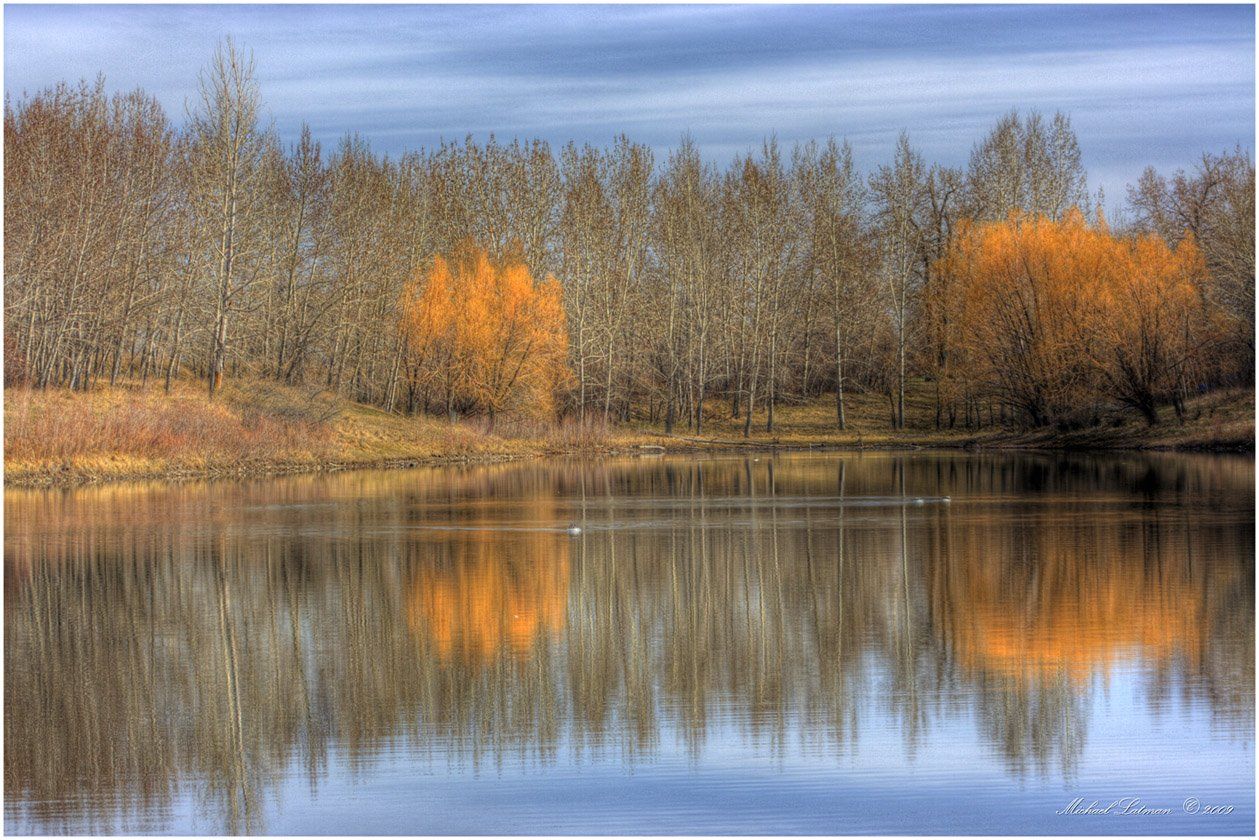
873 643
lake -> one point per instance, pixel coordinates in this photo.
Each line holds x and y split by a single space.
800 643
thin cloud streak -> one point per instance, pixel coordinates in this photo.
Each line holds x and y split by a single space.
1144 85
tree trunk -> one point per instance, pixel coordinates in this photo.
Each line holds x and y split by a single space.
900 383
839 387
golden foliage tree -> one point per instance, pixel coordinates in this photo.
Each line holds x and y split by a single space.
485 337
1155 324
1062 315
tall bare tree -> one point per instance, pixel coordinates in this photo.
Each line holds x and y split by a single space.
228 148
839 253
900 198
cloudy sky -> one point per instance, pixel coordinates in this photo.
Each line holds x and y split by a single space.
1143 84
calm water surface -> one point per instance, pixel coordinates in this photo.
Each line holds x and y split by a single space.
790 644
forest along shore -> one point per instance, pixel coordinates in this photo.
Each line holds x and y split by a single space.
594 299
61 438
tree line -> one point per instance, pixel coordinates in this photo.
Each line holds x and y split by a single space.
142 250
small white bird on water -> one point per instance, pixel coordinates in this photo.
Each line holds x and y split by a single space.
573 529
920 501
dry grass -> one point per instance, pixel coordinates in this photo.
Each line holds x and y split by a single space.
1220 420
814 423
569 435
132 431
57 437
54 437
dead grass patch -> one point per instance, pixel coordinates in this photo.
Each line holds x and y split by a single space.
259 427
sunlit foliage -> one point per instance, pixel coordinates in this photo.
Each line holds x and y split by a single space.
485 337
1058 315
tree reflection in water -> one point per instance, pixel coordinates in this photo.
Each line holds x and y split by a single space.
211 640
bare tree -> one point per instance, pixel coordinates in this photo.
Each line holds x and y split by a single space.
899 192
1214 204
838 251
227 154
1024 165
586 237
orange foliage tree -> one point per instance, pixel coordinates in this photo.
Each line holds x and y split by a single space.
1062 315
485 337
1156 324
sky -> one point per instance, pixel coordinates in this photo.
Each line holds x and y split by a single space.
1143 85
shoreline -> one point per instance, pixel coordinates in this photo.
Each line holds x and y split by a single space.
256 429
66 477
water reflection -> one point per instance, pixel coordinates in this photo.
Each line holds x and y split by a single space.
483 595
177 654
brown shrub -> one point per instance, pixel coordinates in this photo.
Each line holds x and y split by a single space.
15 367
58 426
567 435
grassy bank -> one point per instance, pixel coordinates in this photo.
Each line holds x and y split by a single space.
58 437
1223 420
